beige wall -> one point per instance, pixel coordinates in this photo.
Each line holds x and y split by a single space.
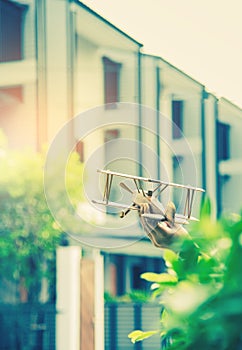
231 188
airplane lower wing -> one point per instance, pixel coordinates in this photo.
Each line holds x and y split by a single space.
179 219
191 218
157 217
114 204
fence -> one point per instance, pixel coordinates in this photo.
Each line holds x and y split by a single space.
123 318
27 327
32 326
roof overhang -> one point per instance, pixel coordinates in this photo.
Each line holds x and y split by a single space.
101 32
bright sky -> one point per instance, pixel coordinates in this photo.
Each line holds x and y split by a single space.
201 37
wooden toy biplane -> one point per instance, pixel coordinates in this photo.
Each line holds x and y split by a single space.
141 196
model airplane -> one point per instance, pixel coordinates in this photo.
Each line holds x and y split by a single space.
141 196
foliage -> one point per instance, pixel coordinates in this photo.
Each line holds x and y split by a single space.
29 234
202 290
134 296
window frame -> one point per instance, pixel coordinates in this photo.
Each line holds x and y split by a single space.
177 109
111 71
11 31
223 141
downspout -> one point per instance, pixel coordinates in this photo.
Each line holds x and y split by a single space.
158 120
41 90
140 139
204 96
71 49
218 179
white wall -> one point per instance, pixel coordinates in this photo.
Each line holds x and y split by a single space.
68 298
18 118
231 190
211 158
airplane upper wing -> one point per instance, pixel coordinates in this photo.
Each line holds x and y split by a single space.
146 179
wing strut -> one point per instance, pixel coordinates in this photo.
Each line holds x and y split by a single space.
139 186
189 202
135 181
107 188
161 189
142 190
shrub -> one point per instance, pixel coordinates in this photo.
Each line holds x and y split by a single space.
202 289
29 234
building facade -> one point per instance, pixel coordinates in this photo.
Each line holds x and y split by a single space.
66 60
229 157
60 62
141 113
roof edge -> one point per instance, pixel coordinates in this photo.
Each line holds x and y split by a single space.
80 3
174 67
233 104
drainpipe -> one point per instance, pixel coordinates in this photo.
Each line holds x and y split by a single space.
158 86
71 50
140 139
204 96
40 57
218 179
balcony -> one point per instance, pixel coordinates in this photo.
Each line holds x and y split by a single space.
17 72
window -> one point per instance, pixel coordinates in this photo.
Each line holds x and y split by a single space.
80 150
111 82
111 134
14 92
10 97
120 276
223 141
177 118
11 16
178 177
136 281
177 161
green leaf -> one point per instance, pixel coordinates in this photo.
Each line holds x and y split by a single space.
170 257
165 278
206 208
139 335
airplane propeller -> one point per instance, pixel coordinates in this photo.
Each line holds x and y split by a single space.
125 187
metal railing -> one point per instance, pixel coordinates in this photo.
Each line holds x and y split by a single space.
123 318
27 327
